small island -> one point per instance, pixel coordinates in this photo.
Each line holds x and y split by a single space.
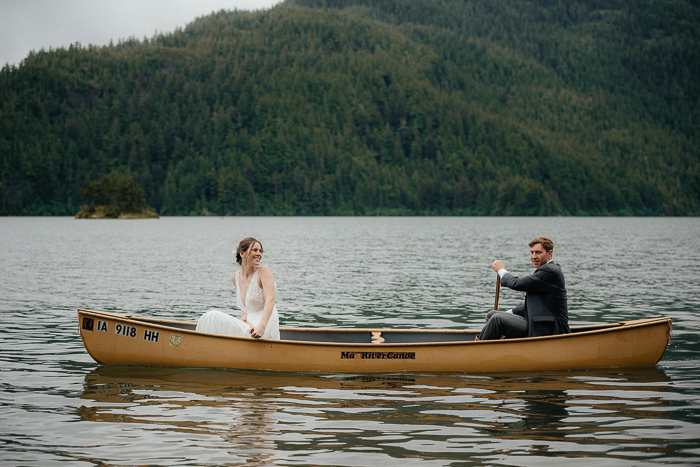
115 196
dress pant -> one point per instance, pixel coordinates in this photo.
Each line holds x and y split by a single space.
500 323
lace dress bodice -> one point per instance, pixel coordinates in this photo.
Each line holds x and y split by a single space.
254 297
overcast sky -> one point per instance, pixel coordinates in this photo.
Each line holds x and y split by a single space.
27 25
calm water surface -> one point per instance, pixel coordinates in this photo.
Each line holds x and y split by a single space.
59 407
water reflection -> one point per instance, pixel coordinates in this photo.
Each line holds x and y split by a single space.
265 417
190 402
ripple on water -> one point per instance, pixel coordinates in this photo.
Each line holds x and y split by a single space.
58 405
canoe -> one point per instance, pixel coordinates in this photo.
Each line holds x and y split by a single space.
123 339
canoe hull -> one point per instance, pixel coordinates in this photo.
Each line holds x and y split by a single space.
116 339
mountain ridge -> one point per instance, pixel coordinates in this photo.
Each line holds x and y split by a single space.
360 107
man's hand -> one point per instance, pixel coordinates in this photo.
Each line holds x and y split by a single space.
497 265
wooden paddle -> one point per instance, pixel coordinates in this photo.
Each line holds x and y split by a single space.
498 290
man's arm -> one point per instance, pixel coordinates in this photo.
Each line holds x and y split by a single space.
537 282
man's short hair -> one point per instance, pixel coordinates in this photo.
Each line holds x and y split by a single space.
546 243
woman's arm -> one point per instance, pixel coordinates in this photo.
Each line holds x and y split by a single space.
267 283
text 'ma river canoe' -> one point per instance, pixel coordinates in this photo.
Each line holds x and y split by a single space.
121 339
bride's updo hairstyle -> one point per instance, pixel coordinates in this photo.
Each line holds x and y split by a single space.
244 246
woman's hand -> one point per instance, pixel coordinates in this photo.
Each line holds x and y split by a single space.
258 331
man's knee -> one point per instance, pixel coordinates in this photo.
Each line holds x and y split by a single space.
493 329
491 313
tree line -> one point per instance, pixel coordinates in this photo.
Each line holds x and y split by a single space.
361 107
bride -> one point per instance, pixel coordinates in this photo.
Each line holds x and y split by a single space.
255 296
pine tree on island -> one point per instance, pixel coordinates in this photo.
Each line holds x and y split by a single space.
115 196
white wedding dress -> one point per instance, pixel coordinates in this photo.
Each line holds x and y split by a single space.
217 322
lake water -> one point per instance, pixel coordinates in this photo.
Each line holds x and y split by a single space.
59 407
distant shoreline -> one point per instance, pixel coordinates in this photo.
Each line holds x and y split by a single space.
111 212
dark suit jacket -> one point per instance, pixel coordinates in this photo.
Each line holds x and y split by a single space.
545 301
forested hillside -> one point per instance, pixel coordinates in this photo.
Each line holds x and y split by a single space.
338 107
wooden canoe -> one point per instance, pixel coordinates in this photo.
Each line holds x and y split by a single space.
121 339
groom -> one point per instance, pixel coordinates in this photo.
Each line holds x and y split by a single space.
544 312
